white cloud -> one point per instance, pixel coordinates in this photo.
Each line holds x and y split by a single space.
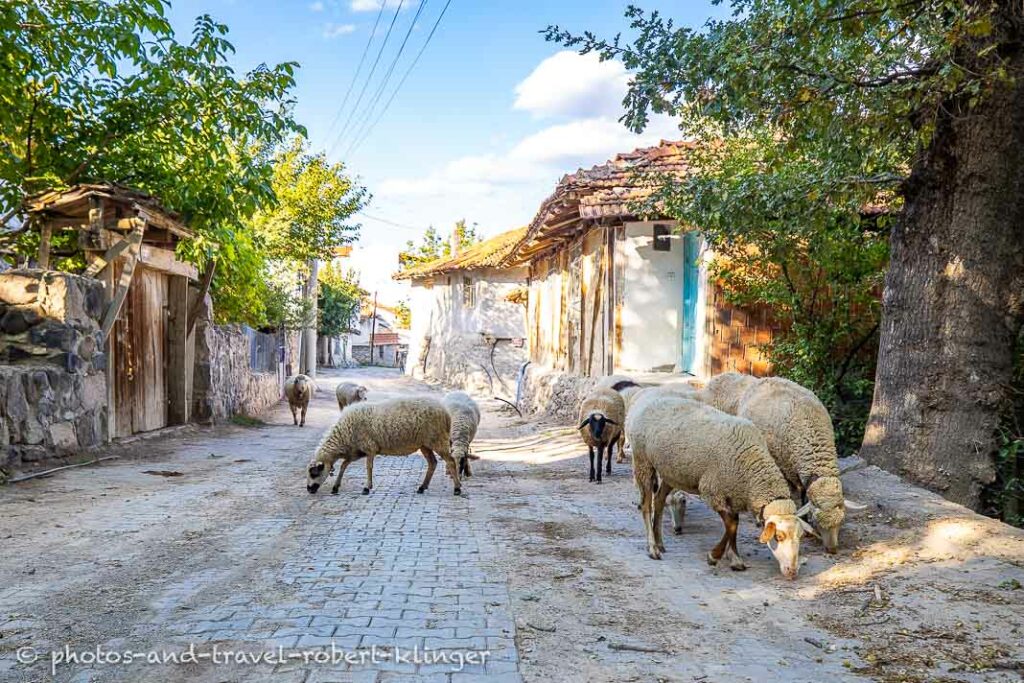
332 30
316 6
374 5
572 85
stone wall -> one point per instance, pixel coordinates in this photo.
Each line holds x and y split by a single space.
224 384
552 392
53 399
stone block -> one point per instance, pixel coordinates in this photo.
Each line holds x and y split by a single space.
19 286
18 319
63 436
16 404
86 429
54 335
94 390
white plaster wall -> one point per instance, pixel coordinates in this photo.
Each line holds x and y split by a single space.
652 306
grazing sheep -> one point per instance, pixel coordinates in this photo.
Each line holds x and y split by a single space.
680 443
798 430
602 414
396 426
724 391
299 390
349 393
465 417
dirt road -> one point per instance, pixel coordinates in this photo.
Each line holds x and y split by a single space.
207 543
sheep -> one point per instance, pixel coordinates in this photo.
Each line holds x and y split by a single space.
602 414
801 439
299 390
395 426
725 390
349 393
683 444
465 416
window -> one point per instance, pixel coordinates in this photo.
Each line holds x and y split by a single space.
468 292
662 237
380 352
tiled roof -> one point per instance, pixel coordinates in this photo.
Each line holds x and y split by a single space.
74 202
486 254
382 339
607 190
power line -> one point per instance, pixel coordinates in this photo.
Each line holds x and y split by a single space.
369 76
368 112
392 223
408 71
355 76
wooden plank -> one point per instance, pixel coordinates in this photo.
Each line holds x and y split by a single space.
44 246
178 368
157 258
596 306
163 221
109 278
101 262
609 306
148 330
204 287
114 308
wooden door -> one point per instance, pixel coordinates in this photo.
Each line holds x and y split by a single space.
140 340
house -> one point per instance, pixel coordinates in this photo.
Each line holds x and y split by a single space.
613 291
468 317
378 341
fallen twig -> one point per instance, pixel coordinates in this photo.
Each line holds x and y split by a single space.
514 406
630 647
44 473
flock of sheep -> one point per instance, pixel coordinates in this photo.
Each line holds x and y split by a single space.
742 444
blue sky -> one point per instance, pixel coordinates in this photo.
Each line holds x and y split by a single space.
486 124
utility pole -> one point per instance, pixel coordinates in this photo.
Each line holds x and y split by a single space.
373 326
307 355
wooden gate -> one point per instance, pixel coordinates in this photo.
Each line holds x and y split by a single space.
140 349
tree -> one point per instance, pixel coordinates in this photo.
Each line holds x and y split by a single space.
432 246
921 97
403 315
339 301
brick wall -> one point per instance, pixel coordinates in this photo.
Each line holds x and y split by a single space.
734 334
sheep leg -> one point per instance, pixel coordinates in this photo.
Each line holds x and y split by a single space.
591 449
731 522
645 481
600 456
302 422
431 459
295 416
341 471
621 455
609 454
732 554
369 474
659 510
453 470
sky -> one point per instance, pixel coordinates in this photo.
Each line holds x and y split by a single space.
483 127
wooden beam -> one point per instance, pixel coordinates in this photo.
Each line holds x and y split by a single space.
44 246
114 309
101 262
163 221
609 308
599 279
165 261
204 287
178 367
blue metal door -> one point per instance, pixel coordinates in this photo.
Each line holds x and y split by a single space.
691 286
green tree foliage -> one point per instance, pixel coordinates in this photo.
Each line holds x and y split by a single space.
339 301
807 114
103 91
433 246
403 315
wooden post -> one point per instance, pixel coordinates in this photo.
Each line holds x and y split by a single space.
177 350
111 347
373 326
609 308
114 309
44 245
204 287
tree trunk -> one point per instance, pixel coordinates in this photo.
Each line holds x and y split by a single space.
953 298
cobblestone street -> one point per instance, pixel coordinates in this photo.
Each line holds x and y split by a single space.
204 544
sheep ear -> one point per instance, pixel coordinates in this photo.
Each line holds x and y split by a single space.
850 505
808 528
584 423
611 422
804 510
473 457
768 533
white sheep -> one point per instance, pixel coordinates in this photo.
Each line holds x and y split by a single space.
465 416
395 426
349 393
801 439
602 414
299 391
683 444
725 390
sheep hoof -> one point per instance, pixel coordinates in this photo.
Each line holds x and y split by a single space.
654 553
661 547
458 492
738 566
366 491
678 530
334 491
712 560
421 489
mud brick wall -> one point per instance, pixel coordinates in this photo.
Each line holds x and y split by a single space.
224 384
734 334
53 399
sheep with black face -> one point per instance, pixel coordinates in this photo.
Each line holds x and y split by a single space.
602 414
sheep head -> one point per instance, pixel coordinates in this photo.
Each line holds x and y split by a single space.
461 455
783 526
596 422
316 473
827 510
360 393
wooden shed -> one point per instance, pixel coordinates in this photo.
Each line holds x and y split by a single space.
128 240
611 290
